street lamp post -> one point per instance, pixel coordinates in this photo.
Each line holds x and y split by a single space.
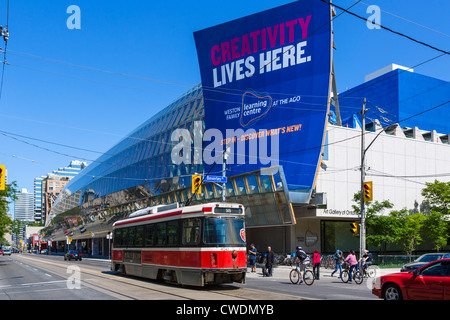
362 232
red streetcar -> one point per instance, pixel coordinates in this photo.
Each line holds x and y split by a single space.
194 245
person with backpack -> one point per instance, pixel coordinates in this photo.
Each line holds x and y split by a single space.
366 259
338 258
303 259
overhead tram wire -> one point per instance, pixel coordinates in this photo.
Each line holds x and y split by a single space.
388 29
359 136
238 91
407 20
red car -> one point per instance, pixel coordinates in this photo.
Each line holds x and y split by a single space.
430 282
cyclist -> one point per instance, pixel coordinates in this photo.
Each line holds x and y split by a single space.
351 258
367 260
303 260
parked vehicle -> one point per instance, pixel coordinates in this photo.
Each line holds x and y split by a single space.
430 282
423 260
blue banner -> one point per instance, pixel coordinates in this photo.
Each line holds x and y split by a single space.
266 86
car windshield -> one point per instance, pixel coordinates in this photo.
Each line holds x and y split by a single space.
224 231
428 258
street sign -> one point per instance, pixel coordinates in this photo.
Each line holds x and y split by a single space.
215 179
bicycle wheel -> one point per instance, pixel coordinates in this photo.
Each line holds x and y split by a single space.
308 277
371 272
358 277
294 276
345 276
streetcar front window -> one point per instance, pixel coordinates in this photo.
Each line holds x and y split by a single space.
220 230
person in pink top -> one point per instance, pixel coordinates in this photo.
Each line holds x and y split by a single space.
316 264
351 258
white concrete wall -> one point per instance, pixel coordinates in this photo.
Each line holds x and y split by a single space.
398 167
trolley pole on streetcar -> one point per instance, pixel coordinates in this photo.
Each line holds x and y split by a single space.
362 232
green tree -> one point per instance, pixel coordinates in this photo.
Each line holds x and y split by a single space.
436 228
437 196
408 229
379 228
6 196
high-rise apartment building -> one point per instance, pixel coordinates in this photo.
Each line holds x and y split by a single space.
24 206
48 187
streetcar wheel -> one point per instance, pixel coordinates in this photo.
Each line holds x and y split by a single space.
358 277
294 276
345 276
308 277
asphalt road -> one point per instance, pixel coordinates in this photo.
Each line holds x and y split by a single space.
38 277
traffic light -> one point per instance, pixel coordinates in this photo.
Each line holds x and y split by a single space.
2 177
354 227
368 191
196 184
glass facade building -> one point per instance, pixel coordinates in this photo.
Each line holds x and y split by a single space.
138 172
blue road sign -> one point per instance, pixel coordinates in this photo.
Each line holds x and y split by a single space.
215 179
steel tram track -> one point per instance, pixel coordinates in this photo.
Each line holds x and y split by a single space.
128 281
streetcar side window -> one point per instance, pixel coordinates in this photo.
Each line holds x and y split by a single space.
191 232
139 242
124 241
160 234
131 236
117 238
149 231
172 233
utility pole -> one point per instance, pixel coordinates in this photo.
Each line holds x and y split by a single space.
224 171
362 232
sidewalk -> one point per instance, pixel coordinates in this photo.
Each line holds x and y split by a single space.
282 272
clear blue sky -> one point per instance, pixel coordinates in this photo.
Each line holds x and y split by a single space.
93 110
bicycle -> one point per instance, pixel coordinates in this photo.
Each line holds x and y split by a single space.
369 271
331 263
308 275
357 275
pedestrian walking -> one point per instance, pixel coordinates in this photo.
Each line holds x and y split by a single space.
252 257
269 261
339 259
351 258
316 264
